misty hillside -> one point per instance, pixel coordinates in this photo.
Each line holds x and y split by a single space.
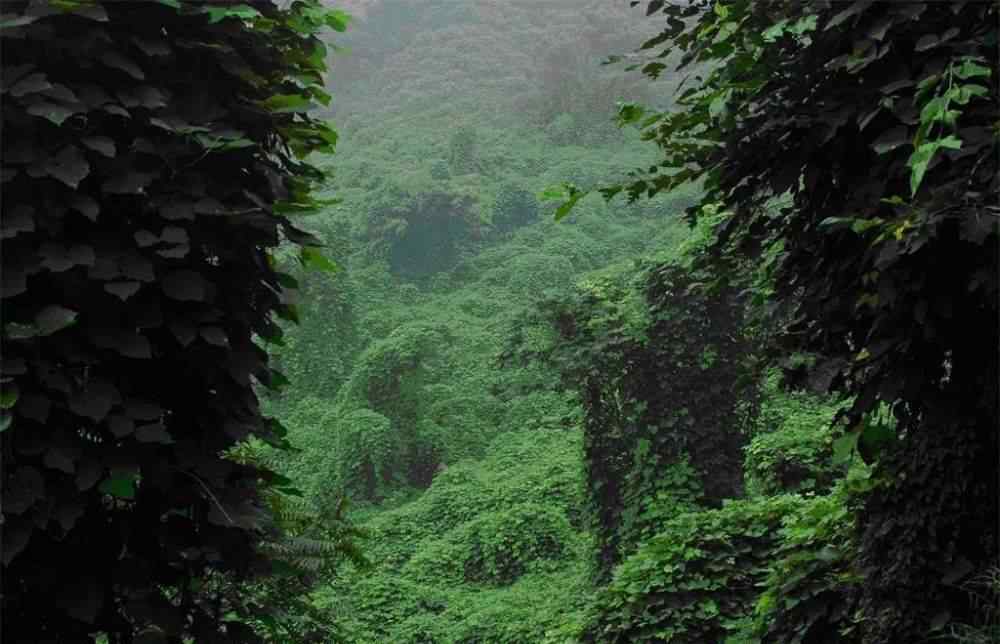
499 322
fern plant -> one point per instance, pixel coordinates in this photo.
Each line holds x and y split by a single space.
984 593
308 543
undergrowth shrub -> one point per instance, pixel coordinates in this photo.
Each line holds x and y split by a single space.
792 449
807 593
503 545
369 459
696 581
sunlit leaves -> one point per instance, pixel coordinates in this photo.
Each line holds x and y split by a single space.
313 258
287 103
240 11
922 156
939 114
568 193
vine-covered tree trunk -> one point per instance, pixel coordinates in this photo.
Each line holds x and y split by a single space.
151 153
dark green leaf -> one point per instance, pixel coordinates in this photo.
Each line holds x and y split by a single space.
185 285
8 395
10 21
313 258
214 335
54 112
116 61
95 400
103 144
31 84
287 103
153 433
128 182
54 318
122 290
120 485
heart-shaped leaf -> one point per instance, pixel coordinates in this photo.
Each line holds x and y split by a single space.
69 166
185 285
54 318
122 290
120 485
102 144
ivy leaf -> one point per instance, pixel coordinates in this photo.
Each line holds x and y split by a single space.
143 410
241 11
85 205
151 635
280 103
152 46
95 401
88 472
926 42
69 166
337 19
8 395
630 113
19 331
145 238
26 489
31 84
133 346
54 112
102 144
567 192
11 21
120 485
185 285
120 425
311 257
54 318
143 96
128 182
20 219
153 433
117 61
971 69
177 210
214 335
921 158
122 290
874 436
59 459
34 407
891 139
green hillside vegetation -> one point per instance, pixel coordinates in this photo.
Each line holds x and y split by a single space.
553 432
715 370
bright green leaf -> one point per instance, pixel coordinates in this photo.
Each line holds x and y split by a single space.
311 257
241 11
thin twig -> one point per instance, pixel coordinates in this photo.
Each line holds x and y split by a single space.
207 491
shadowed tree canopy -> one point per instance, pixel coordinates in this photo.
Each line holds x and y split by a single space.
854 146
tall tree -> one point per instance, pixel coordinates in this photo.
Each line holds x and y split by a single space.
152 154
855 144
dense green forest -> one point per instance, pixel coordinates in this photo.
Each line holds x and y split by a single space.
500 322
